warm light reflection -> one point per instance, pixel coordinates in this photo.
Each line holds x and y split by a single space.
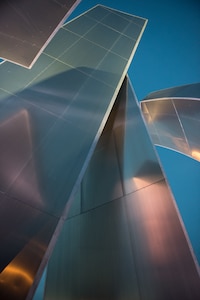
140 182
17 278
146 113
154 114
15 282
181 145
15 273
196 154
155 214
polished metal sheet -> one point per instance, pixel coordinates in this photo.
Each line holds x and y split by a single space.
102 180
22 129
51 118
140 165
165 266
93 258
25 233
126 243
174 122
27 26
14 78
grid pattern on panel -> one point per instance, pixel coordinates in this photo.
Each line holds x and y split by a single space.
76 79
51 118
24 31
107 39
173 123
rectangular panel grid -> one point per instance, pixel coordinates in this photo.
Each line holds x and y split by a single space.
57 111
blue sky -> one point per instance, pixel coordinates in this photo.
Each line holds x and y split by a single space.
168 55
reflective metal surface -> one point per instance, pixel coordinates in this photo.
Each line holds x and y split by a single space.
25 233
51 118
174 122
27 26
127 242
79 172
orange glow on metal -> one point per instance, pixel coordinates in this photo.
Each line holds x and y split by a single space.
196 154
140 182
153 214
15 272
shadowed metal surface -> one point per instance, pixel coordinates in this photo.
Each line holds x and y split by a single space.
126 240
173 118
26 26
45 140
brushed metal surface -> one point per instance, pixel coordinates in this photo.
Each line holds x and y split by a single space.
51 118
174 123
124 247
25 233
27 26
165 266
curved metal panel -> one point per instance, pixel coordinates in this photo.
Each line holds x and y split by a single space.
175 122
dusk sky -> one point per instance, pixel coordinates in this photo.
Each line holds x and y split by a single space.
168 55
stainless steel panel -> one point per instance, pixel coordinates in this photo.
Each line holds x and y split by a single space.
191 129
188 111
133 247
102 180
3 95
188 108
75 207
102 36
22 128
63 40
81 25
165 266
112 20
140 166
88 59
93 258
160 109
47 180
25 234
49 90
176 128
98 13
134 26
123 47
51 144
14 78
25 30
111 68
90 105
140 22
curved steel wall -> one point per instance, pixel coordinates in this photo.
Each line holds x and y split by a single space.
173 119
